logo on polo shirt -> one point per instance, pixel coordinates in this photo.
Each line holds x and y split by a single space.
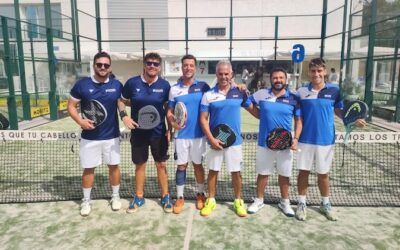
111 90
235 95
137 90
197 89
158 90
328 96
90 90
285 100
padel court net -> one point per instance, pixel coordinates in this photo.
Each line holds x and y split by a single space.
44 166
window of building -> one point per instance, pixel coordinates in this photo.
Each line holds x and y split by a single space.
216 31
35 15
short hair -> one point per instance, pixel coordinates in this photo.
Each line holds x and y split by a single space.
277 69
152 55
319 62
190 57
100 55
224 62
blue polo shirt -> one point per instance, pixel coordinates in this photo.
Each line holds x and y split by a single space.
275 112
142 94
317 110
107 93
225 108
191 97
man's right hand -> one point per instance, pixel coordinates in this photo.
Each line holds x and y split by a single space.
86 124
216 144
129 123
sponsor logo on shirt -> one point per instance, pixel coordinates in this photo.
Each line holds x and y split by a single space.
197 89
137 90
328 96
90 90
285 100
111 90
158 90
235 95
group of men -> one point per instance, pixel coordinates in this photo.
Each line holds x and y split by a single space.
312 107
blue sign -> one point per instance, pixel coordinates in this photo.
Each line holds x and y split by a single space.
298 53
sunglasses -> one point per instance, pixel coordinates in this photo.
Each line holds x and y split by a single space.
155 64
100 65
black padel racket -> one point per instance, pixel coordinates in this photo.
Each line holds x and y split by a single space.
353 111
279 139
225 134
4 123
95 111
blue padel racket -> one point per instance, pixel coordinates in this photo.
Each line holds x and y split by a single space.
148 117
95 111
279 139
180 114
353 111
4 123
225 134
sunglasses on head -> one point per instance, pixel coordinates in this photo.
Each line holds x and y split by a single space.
155 64
100 65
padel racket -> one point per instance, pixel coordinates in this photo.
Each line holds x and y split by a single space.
4 123
225 134
148 117
279 139
95 111
353 111
180 114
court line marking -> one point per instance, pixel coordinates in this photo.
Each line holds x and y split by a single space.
189 226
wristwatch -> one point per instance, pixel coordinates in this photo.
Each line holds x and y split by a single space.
122 114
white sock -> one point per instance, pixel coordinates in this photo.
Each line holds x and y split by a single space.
325 200
179 190
86 193
259 200
301 198
285 201
115 190
200 188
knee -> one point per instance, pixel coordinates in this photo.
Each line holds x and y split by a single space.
161 165
88 171
181 167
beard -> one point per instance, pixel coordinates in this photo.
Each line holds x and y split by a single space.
278 86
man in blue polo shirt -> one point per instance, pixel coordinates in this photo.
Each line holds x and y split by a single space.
276 106
221 105
98 142
143 92
319 101
189 140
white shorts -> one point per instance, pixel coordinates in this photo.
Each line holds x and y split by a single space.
323 156
266 158
94 153
232 156
188 150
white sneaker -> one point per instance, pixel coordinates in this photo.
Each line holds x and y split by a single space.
326 209
85 207
255 206
286 209
301 212
115 202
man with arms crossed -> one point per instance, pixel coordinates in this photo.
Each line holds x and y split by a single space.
319 102
276 107
140 91
102 141
221 105
189 140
